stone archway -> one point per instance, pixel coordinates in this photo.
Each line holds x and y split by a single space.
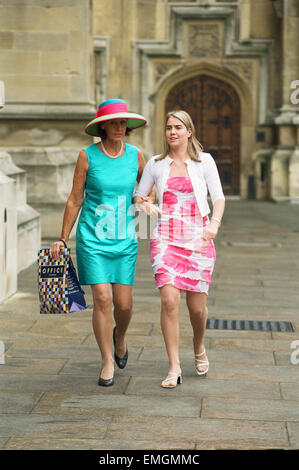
229 81
214 107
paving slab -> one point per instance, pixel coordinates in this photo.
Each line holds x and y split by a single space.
84 366
10 325
249 335
37 382
200 430
3 442
281 283
139 341
19 443
256 372
61 326
223 356
16 443
53 426
36 341
293 431
98 404
285 359
52 350
243 344
290 391
256 300
18 402
240 408
199 387
26 365
242 444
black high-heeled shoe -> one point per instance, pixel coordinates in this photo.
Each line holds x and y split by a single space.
120 361
106 382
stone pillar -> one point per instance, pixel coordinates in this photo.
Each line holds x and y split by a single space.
262 159
294 168
290 51
287 121
8 230
279 175
289 15
8 237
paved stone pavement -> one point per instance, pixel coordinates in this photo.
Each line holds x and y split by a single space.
49 397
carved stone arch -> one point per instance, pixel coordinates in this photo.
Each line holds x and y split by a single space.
243 114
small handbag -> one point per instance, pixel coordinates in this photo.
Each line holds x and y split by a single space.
59 288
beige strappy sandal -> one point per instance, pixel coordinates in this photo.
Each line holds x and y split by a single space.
200 362
172 380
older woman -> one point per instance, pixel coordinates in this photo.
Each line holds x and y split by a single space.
182 248
106 243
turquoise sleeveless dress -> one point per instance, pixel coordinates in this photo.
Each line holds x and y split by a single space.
106 241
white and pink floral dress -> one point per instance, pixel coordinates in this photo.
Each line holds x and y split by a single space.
179 255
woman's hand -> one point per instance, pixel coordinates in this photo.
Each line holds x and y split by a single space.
210 231
55 249
144 204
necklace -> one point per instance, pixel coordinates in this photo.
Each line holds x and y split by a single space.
112 156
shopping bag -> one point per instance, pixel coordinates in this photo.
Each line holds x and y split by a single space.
59 288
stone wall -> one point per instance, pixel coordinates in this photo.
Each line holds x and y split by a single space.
46 56
46 50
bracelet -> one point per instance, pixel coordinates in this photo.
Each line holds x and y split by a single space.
217 220
65 245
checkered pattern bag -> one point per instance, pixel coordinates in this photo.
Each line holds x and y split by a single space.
59 288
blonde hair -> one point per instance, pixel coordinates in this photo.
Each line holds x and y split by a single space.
194 146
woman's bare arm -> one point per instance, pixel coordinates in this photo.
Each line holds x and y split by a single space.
141 165
74 202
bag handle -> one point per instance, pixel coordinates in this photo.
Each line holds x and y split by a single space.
65 245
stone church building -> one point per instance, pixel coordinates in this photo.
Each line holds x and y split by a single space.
233 65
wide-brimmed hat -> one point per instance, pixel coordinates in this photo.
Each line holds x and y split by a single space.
114 109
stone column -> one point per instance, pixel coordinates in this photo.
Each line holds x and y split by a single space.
8 237
279 175
8 230
294 168
287 121
290 52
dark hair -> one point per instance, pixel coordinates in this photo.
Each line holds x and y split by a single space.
102 132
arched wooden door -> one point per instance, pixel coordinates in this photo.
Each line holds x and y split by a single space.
214 107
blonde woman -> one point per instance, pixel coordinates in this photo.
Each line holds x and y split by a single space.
182 248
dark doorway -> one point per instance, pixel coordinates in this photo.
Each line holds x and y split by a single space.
214 107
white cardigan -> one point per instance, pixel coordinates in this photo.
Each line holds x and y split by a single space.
204 177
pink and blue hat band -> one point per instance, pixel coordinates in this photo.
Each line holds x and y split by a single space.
114 109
